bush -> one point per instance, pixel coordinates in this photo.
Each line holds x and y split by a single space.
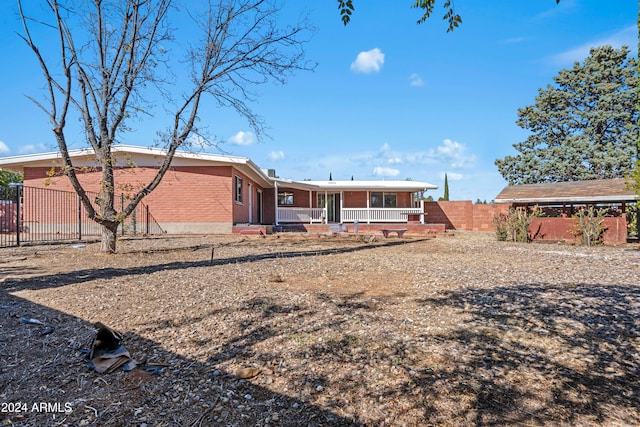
513 226
590 225
500 223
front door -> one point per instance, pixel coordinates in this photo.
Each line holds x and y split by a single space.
332 204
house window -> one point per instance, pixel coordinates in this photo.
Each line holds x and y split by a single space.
285 199
320 199
238 189
383 200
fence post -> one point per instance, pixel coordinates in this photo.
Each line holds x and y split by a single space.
146 212
79 218
121 209
18 187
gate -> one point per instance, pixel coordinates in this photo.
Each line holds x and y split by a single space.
33 215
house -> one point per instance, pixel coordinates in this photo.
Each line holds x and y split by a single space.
210 193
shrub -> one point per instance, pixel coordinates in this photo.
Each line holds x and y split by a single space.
590 225
500 224
513 226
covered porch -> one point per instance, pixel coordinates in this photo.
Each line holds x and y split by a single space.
364 202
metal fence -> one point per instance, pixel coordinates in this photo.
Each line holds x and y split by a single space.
32 215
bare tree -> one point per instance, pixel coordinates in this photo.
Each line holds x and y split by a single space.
113 57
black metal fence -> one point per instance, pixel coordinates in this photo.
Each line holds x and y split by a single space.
33 215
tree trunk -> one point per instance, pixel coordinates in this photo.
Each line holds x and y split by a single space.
108 243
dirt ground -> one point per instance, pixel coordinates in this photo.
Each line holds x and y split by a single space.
342 330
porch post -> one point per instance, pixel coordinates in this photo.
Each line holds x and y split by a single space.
275 188
326 204
421 211
341 206
310 208
368 207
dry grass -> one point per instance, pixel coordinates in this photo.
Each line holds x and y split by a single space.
460 330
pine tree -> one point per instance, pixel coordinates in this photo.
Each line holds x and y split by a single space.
583 127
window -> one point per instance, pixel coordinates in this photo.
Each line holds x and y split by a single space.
320 200
285 199
383 200
238 189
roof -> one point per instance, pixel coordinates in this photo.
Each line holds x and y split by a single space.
140 156
153 157
592 191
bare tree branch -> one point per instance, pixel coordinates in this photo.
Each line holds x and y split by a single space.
109 51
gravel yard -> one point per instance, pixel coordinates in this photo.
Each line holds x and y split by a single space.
342 330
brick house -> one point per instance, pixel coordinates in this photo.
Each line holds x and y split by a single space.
210 194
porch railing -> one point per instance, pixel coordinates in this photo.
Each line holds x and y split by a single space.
365 215
302 215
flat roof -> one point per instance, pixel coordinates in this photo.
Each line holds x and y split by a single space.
354 185
153 157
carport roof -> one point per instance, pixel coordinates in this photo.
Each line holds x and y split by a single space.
592 191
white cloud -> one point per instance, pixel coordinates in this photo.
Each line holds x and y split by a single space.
416 80
627 36
450 148
198 141
32 148
395 160
276 155
452 176
455 153
380 171
3 147
368 62
243 138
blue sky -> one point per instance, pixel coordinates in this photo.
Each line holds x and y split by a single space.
389 99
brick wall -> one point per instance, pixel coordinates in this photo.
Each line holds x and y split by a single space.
462 215
198 197
563 229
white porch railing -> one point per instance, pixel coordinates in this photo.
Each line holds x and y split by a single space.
301 215
365 215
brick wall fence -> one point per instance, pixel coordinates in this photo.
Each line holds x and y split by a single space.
463 215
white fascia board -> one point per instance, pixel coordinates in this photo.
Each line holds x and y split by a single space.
593 199
355 185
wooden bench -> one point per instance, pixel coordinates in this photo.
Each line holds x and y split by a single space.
399 231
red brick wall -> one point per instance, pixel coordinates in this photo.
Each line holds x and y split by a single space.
462 215
187 194
556 229
355 199
483 216
403 200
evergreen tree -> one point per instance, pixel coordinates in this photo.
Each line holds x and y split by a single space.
583 127
446 188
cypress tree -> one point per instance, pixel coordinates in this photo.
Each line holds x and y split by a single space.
446 188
